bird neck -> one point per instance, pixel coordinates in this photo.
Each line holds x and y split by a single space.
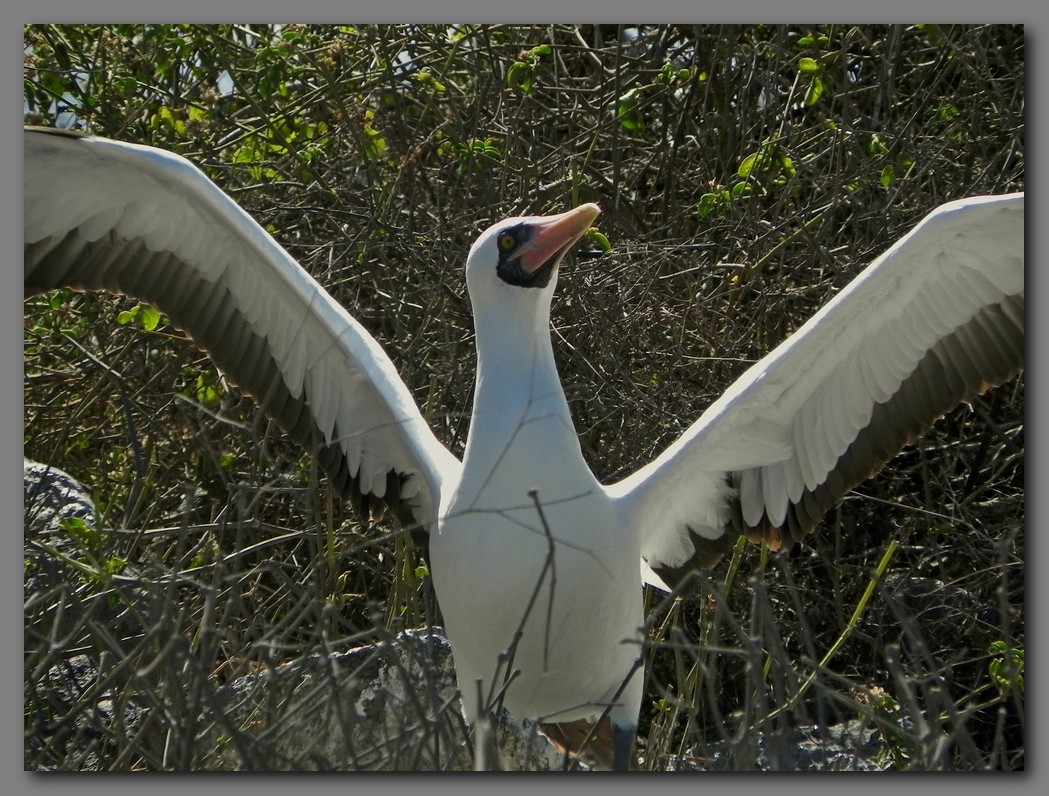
520 421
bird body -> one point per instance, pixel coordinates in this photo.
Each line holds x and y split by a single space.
527 523
499 572
536 564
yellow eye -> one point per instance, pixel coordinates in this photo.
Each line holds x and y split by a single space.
507 242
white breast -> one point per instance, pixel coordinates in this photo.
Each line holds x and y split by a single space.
562 572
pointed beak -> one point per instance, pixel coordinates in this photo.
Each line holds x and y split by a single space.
555 236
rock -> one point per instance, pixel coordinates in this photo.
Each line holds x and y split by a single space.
50 496
842 747
391 706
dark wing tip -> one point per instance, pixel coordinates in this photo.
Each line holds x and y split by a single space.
208 313
983 353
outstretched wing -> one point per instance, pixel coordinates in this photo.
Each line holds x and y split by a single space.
105 215
936 319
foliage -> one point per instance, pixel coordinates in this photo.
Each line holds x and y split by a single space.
745 173
1006 668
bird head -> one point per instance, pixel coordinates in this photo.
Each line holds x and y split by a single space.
524 252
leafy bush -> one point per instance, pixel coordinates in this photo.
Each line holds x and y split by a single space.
745 173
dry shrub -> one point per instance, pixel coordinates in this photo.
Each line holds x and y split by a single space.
375 154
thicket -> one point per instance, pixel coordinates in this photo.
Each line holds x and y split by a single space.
745 173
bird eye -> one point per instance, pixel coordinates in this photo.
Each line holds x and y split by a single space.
507 242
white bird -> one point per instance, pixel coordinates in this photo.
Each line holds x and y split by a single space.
537 566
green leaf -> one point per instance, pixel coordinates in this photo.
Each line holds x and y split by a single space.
205 391
74 526
513 73
1006 668
59 298
519 77
374 143
599 238
741 189
804 41
86 536
708 203
808 65
627 111
143 314
887 175
426 77
746 166
815 91
148 317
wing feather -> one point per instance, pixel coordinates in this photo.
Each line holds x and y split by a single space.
934 320
101 214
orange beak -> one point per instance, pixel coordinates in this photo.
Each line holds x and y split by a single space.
555 235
